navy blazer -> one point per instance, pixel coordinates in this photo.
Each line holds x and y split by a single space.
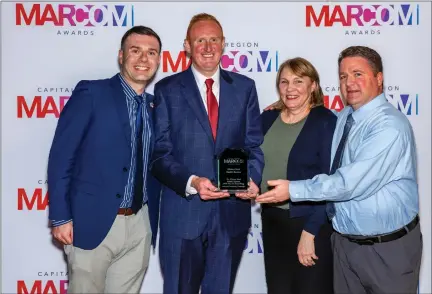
184 146
89 162
309 156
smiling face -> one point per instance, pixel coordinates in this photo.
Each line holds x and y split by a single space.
358 82
139 59
205 43
295 91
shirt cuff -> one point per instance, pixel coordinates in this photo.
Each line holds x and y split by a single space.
56 223
297 190
189 189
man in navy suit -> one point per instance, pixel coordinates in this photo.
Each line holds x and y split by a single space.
104 203
199 113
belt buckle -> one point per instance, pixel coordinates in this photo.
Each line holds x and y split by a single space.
364 241
126 211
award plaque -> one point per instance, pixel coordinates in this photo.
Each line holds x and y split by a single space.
232 171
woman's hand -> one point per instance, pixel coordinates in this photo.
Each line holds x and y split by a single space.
306 249
274 105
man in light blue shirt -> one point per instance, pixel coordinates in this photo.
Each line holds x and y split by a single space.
372 187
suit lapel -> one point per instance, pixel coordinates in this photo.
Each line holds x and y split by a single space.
227 103
122 111
193 97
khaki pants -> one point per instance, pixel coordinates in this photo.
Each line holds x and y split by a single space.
118 264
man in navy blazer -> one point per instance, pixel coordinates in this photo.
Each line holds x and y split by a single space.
199 113
104 203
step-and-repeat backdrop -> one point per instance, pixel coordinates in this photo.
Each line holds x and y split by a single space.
48 47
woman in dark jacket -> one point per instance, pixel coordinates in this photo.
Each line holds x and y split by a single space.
297 144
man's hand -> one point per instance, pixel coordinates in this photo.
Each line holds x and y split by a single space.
252 191
63 233
306 249
279 193
272 106
207 190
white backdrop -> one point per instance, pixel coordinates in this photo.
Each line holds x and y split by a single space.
47 48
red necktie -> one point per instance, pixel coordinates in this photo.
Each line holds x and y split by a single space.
212 107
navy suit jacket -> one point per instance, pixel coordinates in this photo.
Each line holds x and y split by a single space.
89 161
185 146
310 156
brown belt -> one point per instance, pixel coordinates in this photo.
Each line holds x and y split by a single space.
125 211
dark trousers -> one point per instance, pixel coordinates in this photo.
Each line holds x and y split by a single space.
284 273
382 268
209 262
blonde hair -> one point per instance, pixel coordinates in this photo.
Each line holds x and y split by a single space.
302 68
201 17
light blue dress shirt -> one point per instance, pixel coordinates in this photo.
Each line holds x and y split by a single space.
375 190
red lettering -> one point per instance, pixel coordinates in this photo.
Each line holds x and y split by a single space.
39 107
326 101
35 16
327 18
20 14
167 61
23 200
63 100
336 103
49 15
49 107
49 288
22 105
323 16
63 286
22 287
338 16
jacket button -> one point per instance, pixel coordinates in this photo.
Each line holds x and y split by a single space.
125 169
118 196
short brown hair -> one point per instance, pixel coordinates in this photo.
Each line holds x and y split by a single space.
372 57
140 30
302 68
201 17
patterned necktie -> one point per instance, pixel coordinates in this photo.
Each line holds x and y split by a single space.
212 107
338 159
139 167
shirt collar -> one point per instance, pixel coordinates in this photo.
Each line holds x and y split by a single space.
364 111
128 90
200 78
